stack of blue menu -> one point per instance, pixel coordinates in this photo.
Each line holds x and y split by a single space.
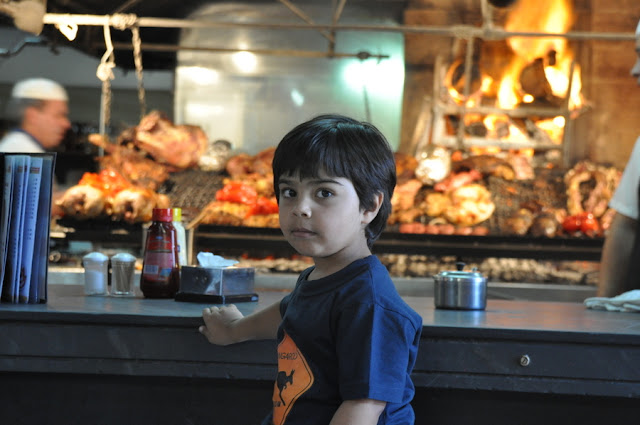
25 218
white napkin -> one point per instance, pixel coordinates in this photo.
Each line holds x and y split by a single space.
207 259
627 301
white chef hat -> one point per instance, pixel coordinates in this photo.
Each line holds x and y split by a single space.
39 88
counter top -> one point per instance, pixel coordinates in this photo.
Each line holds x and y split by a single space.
568 321
519 346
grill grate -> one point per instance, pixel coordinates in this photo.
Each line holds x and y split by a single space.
546 190
192 190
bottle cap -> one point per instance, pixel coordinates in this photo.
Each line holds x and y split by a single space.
162 214
177 214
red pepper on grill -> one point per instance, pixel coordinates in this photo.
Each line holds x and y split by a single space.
110 182
571 223
263 206
584 222
590 225
238 192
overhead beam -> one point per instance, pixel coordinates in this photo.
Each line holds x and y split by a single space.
273 52
458 31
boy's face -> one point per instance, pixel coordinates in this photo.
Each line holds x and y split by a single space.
321 218
635 71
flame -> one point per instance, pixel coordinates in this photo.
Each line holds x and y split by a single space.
554 127
516 135
507 95
551 16
474 98
560 72
526 152
558 77
484 150
491 122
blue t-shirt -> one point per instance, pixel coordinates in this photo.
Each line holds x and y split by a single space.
346 336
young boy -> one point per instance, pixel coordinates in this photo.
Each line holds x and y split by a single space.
347 342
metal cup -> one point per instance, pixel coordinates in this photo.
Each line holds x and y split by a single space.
123 267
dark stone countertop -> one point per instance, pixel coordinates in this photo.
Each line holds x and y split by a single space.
565 320
518 346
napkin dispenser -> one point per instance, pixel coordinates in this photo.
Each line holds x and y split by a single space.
219 285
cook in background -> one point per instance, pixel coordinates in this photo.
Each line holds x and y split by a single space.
40 110
347 342
620 263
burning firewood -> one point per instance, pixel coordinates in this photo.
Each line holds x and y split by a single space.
533 81
455 78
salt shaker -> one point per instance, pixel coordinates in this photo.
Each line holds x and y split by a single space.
96 273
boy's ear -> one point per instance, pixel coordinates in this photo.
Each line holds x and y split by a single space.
369 214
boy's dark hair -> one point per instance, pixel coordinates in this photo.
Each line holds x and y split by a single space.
342 147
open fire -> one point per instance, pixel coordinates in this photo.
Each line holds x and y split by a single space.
520 92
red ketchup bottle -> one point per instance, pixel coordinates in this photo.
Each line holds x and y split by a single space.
160 270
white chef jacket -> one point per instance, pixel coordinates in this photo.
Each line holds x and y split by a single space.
625 198
20 141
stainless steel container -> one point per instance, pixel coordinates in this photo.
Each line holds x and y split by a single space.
460 290
217 281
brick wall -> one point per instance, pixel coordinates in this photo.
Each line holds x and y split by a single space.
606 133
614 93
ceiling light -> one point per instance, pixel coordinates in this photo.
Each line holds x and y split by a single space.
245 61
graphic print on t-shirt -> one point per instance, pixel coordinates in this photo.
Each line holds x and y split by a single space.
294 378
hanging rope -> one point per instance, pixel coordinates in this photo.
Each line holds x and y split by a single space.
137 60
123 21
105 74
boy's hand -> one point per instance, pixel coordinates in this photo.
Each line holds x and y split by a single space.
218 324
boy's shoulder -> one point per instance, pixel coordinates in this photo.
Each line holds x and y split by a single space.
377 285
